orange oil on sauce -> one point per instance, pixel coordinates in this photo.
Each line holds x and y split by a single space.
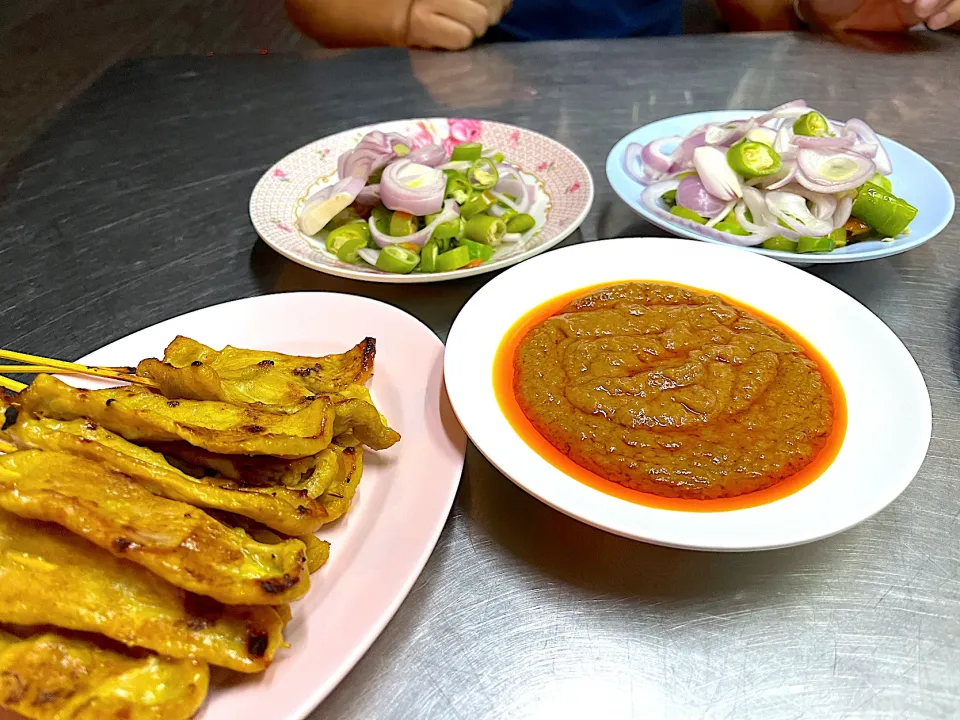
503 369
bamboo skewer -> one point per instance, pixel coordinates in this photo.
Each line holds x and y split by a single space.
11 385
48 365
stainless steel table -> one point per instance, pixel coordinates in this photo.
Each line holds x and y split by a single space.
132 209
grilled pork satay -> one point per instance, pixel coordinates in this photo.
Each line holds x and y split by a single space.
290 510
52 677
138 414
49 576
179 542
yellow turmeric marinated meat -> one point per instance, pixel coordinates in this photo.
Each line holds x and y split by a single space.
178 542
249 369
318 551
253 470
337 498
138 414
49 576
52 677
236 376
289 510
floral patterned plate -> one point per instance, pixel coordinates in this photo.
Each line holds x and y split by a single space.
279 195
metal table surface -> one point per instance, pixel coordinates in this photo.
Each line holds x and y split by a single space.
133 209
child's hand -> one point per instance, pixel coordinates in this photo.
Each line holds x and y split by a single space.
451 24
937 14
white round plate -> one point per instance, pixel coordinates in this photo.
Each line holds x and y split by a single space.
914 179
379 548
889 417
279 195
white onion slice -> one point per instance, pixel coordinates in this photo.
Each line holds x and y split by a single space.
842 213
793 210
420 237
722 214
656 162
369 255
824 205
716 174
833 172
412 188
319 208
789 110
866 134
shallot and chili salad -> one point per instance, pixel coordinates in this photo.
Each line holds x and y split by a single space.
788 180
402 208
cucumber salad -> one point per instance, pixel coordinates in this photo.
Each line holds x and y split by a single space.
403 209
788 180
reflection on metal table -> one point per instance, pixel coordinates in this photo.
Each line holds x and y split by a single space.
132 209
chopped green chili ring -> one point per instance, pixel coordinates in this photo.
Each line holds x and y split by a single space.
478 251
453 259
520 223
730 225
687 214
483 174
883 211
466 151
381 217
355 231
428 257
479 203
814 244
669 197
397 259
779 242
347 251
839 237
486 229
498 157
508 215
813 124
457 187
881 181
402 224
447 231
753 159
401 150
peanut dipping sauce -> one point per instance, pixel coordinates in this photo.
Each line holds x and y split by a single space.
589 377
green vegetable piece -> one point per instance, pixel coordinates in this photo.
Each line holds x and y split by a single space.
814 244
813 124
839 237
381 217
687 214
347 252
479 203
730 225
508 215
753 159
446 232
779 242
402 224
453 259
520 223
428 257
883 211
401 150
396 259
457 187
881 181
485 229
478 251
498 157
467 151
355 232
483 174
669 197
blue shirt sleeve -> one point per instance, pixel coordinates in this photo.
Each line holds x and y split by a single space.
572 19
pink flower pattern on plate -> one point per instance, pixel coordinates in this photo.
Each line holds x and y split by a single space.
462 130
280 174
423 136
574 188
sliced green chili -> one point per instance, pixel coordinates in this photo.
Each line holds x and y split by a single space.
520 223
753 159
730 225
687 214
486 229
478 251
457 187
381 217
483 174
402 224
352 232
445 232
883 211
428 257
813 124
453 259
881 181
479 203
466 151
814 244
839 237
669 197
396 259
779 242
